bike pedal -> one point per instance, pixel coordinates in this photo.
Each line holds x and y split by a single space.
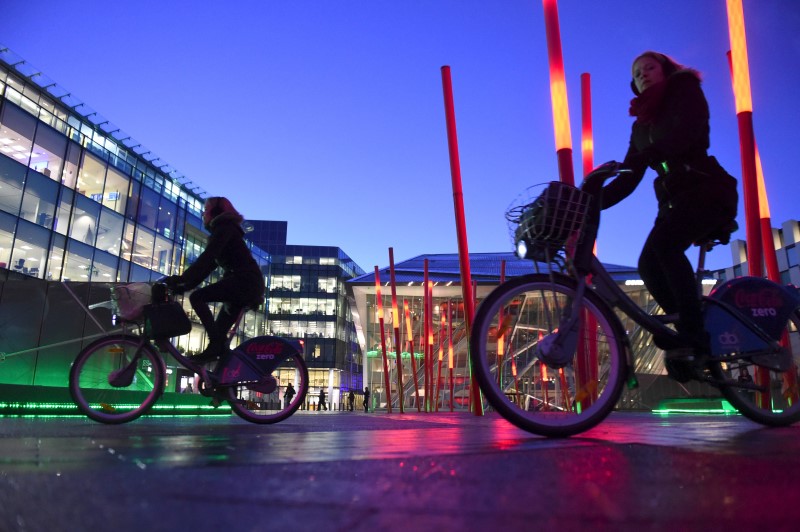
216 402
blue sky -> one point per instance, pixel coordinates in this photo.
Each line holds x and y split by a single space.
330 115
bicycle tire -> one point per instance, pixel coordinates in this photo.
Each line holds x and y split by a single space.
779 405
261 408
129 395
540 399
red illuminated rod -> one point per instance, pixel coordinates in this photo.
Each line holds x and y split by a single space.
558 93
771 261
410 340
441 356
397 344
461 224
379 303
427 335
450 351
744 114
587 138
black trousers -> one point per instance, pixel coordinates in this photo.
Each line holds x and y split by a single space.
235 295
663 265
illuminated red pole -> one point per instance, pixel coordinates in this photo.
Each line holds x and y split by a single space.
397 345
765 220
450 351
431 333
379 301
771 261
441 356
426 331
587 138
588 375
744 114
558 93
461 224
410 340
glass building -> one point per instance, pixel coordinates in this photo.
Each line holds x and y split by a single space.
82 205
307 299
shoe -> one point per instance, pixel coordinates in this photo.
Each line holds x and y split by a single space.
211 353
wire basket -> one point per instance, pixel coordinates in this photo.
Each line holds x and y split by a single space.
129 300
545 224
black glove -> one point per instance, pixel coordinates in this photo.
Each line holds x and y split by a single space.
174 283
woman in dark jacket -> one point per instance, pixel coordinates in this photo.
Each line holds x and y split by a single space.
696 196
241 285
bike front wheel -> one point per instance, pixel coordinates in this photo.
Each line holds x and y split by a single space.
776 401
266 401
116 379
534 395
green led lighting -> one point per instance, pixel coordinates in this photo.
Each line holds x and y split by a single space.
51 409
695 406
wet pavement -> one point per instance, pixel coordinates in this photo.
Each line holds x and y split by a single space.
355 471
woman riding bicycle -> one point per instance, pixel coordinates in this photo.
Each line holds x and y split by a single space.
242 283
696 196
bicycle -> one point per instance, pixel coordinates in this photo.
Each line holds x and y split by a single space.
119 377
551 354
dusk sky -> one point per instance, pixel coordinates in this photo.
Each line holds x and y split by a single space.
330 114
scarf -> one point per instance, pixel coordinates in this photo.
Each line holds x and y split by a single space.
646 106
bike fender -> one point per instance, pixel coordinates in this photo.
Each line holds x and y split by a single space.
767 304
256 357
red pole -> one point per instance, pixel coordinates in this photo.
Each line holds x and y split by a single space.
410 340
744 114
587 139
558 93
426 331
441 356
397 345
461 224
379 302
450 350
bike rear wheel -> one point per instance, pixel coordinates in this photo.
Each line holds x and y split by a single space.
535 396
116 379
271 407
777 403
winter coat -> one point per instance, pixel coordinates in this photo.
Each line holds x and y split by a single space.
675 143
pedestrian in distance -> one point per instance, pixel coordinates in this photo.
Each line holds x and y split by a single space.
351 400
289 393
366 399
322 405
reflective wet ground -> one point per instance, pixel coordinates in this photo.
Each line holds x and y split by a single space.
355 471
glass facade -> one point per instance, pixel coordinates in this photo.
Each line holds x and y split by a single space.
80 202
307 299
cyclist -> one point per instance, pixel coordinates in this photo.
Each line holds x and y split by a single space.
696 196
241 285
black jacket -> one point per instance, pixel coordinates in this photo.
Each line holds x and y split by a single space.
675 144
227 250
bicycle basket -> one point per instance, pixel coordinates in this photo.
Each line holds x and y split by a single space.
129 300
540 229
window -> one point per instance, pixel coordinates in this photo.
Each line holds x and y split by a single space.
8 225
16 132
56 261
12 179
109 232
39 201
91 177
64 209
49 150
115 193
143 248
84 220
78 265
